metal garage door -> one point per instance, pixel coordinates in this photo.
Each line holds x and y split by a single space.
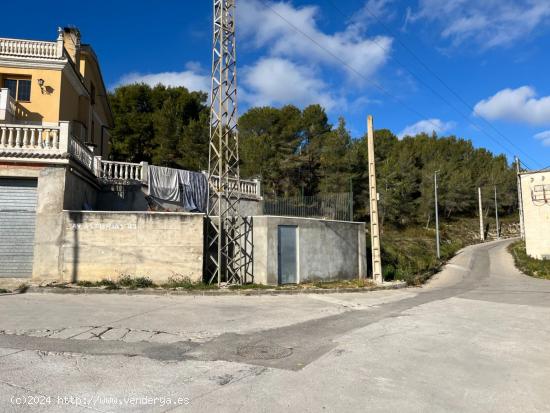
17 222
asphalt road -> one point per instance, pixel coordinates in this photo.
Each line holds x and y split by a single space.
475 339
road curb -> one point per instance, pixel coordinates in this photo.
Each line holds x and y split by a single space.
252 292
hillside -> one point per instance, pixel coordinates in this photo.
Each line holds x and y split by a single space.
409 254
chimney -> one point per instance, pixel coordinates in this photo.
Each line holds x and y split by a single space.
71 41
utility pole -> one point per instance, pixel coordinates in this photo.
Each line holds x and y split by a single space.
481 227
373 196
436 218
496 213
520 200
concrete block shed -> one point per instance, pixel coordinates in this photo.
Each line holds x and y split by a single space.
295 250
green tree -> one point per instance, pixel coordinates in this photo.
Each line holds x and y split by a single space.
335 169
156 124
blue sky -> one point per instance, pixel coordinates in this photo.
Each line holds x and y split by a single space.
351 56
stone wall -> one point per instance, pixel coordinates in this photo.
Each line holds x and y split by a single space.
99 245
327 250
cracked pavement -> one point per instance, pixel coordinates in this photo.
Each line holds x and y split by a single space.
474 339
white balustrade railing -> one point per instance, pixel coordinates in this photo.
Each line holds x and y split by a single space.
247 187
124 171
80 152
28 142
30 48
33 139
11 105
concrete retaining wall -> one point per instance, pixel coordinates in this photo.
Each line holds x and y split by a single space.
327 250
99 245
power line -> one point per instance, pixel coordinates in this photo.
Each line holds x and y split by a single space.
343 62
427 68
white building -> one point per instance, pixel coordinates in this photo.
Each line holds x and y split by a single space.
535 193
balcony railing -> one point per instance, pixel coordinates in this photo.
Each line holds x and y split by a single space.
121 171
137 172
31 48
33 140
59 143
43 143
81 153
250 188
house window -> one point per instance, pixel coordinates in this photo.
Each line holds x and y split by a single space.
20 89
11 84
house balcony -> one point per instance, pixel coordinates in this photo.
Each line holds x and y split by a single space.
45 143
19 48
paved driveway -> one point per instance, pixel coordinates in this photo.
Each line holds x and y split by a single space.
476 338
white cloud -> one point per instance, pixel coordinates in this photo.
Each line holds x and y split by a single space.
371 11
489 23
427 126
277 81
192 78
544 137
519 105
266 29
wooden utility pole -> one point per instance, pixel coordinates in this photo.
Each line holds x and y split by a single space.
496 213
373 195
520 200
437 242
481 227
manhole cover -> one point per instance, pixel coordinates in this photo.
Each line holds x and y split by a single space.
263 352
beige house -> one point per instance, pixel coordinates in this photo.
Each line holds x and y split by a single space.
54 130
535 194
45 83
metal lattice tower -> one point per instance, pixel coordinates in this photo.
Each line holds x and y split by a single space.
225 258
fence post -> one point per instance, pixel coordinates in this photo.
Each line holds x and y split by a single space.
144 171
258 187
59 45
64 136
96 169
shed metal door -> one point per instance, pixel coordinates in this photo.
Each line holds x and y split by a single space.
288 254
17 224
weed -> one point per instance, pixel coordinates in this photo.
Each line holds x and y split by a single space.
184 282
143 282
128 281
108 284
86 284
250 287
